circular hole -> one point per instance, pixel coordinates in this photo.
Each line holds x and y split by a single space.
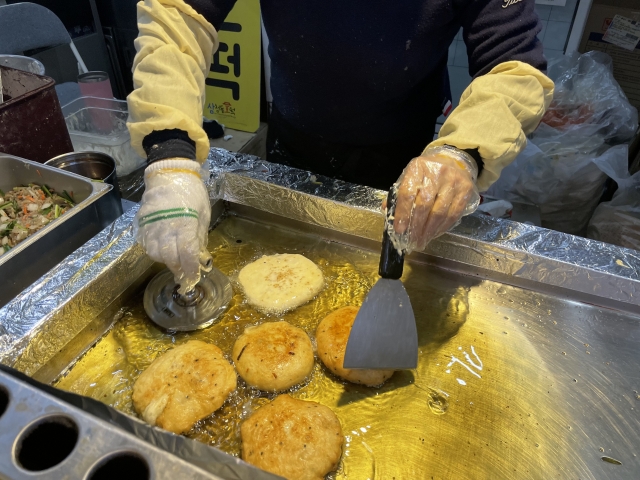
129 465
4 400
46 443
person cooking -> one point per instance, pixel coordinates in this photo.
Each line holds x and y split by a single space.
357 88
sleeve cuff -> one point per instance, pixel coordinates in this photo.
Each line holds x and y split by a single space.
168 144
473 153
214 12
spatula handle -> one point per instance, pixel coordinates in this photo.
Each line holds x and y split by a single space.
391 262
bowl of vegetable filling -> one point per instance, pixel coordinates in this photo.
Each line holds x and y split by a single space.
24 210
45 214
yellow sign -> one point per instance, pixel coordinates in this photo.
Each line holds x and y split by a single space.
233 84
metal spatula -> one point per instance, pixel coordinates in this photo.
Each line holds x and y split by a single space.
384 333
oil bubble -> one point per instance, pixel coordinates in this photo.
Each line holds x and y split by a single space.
437 402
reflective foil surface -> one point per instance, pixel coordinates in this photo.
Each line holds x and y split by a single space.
522 252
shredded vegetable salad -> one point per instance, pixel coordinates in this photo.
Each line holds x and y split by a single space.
25 210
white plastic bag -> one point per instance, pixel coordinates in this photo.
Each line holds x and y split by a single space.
618 221
562 169
565 185
588 100
505 187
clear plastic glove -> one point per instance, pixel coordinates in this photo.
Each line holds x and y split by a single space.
173 220
434 191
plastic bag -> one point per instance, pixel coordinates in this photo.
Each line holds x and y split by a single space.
588 100
504 187
562 169
618 221
566 186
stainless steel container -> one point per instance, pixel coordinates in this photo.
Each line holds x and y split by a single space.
34 256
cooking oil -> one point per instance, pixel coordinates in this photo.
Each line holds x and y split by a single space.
465 412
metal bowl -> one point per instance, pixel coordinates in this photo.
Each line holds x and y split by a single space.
97 166
93 165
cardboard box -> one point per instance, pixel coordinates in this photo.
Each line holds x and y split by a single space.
626 64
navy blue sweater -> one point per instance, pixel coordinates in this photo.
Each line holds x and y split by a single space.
363 72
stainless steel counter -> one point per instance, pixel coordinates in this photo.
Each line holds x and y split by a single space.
530 339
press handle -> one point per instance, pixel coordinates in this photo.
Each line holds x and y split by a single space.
391 262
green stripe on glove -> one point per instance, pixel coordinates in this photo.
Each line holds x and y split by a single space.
167 214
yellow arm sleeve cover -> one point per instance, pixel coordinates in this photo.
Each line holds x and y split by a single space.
174 48
496 113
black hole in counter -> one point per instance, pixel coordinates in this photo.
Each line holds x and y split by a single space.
4 400
46 443
121 465
238 241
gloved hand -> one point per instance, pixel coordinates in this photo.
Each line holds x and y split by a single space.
433 192
173 220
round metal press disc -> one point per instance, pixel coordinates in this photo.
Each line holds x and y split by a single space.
199 309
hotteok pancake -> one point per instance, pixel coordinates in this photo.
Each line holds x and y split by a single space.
278 283
184 385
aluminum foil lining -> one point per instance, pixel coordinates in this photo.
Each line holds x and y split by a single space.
30 314
520 251
222 162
